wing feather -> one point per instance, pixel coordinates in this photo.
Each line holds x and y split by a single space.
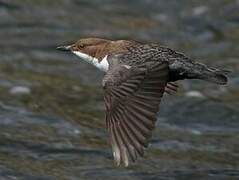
132 97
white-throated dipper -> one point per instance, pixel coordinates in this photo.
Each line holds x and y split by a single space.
137 75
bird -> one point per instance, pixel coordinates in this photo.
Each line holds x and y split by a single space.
136 77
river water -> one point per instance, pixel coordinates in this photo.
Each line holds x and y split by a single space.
51 105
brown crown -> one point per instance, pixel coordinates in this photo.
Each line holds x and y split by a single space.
99 48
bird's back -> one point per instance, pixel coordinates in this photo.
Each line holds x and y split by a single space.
180 66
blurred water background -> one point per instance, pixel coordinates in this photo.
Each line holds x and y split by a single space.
51 106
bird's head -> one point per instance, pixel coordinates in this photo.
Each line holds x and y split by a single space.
88 47
95 47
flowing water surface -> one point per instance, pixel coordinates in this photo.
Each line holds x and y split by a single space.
51 105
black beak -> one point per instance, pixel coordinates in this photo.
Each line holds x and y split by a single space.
64 48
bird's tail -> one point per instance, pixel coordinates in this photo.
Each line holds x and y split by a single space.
201 71
216 76
192 70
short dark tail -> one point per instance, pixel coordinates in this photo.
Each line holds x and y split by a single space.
215 77
201 71
194 70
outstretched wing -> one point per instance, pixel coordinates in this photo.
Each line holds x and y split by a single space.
132 96
171 88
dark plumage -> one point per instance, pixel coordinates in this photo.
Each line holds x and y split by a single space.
132 98
137 75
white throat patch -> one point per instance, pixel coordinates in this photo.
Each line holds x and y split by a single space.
103 65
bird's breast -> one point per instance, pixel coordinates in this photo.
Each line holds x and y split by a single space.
103 65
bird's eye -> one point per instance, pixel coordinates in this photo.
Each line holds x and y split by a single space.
81 45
